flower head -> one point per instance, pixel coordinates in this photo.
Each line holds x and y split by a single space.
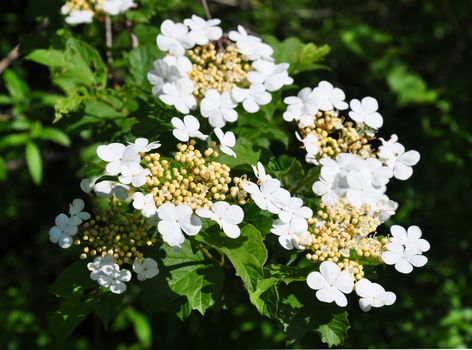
187 128
365 111
373 295
174 38
403 258
145 268
179 95
227 141
331 284
218 108
226 215
174 220
201 31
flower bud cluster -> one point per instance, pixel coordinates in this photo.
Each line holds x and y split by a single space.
113 232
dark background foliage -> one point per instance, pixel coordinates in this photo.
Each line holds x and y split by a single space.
413 56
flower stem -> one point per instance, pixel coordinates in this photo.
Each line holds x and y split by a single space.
205 7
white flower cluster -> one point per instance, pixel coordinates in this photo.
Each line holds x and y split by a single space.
108 274
173 221
80 11
331 285
189 127
67 225
172 80
291 225
357 176
405 249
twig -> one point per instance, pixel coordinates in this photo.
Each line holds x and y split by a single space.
109 39
12 55
133 37
15 52
205 7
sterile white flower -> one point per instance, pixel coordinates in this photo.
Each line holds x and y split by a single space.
112 277
105 188
393 154
63 231
268 195
301 108
365 111
142 144
179 94
249 45
373 295
218 108
294 211
310 142
201 31
226 215
77 215
411 239
292 235
272 76
174 220
328 97
227 141
145 268
187 128
253 97
168 70
97 264
331 284
118 156
77 16
115 7
174 38
403 259
135 175
260 172
145 203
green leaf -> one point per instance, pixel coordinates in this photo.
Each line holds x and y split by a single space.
47 57
246 154
14 140
34 162
18 89
190 275
71 312
334 332
140 62
55 135
3 169
301 57
266 296
73 280
247 253
409 87
141 325
100 109
109 306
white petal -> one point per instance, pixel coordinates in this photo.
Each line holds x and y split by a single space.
316 280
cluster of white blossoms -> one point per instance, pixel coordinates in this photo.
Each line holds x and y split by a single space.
67 226
84 11
205 67
342 235
292 223
170 198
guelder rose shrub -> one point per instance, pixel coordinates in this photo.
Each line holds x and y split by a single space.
210 198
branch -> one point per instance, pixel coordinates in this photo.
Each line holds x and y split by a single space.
15 53
12 55
205 7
